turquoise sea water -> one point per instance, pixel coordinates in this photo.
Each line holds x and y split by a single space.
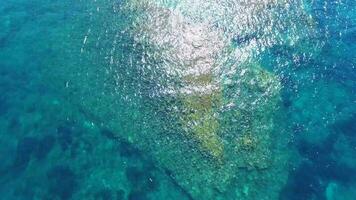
103 99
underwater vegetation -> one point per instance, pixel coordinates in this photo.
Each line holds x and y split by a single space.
65 178
312 177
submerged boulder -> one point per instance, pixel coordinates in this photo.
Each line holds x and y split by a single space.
169 78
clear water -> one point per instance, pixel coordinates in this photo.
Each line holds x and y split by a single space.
125 99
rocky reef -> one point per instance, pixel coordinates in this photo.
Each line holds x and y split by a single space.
185 85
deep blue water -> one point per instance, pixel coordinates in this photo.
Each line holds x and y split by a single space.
59 143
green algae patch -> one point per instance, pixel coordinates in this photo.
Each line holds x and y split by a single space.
200 123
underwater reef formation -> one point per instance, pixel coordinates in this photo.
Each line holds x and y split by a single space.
182 82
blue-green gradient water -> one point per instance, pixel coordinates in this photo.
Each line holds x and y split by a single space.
174 100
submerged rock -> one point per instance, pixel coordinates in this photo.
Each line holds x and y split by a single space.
170 78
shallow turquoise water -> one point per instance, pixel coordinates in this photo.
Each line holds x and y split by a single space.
82 115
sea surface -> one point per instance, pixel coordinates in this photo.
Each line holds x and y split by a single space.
175 100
